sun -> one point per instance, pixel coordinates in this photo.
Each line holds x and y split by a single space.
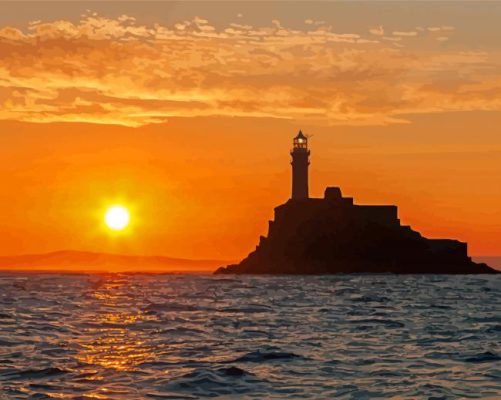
117 217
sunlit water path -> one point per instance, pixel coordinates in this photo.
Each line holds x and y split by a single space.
188 336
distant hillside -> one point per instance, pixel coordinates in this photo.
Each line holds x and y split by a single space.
77 261
492 261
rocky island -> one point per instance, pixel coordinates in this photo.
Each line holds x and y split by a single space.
333 235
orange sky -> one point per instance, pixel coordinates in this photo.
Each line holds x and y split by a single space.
189 122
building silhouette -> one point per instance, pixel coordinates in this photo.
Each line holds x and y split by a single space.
333 235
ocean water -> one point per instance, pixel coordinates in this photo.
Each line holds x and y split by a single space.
126 336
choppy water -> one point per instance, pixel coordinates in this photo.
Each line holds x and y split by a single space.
184 336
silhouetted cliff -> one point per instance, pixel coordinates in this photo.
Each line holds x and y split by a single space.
332 235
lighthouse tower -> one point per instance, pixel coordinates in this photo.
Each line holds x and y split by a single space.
300 161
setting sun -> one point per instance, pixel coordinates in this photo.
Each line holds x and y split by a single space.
117 218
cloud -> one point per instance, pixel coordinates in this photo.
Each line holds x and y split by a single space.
310 21
119 71
400 33
378 31
441 28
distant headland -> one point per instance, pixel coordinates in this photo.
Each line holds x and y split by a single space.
86 261
333 235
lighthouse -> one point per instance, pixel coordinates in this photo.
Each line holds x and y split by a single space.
300 162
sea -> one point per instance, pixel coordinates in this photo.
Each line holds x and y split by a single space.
140 336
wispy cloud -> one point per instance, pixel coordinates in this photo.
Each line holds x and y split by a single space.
407 33
119 71
378 30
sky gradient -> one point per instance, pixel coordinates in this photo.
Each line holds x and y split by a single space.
185 112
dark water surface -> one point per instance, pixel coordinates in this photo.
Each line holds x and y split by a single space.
194 336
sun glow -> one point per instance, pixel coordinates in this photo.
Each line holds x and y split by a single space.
117 217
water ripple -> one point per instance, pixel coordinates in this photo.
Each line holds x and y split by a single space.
121 336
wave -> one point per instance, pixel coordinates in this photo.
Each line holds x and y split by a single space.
210 382
250 309
264 356
388 323
170 307
233 371
181 331
34 373
371 299
483 357
493 329
171 395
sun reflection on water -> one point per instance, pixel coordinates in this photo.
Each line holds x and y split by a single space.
111 340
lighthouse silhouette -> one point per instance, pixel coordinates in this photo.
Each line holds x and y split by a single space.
300 162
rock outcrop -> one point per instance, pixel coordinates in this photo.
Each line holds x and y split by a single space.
333 235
